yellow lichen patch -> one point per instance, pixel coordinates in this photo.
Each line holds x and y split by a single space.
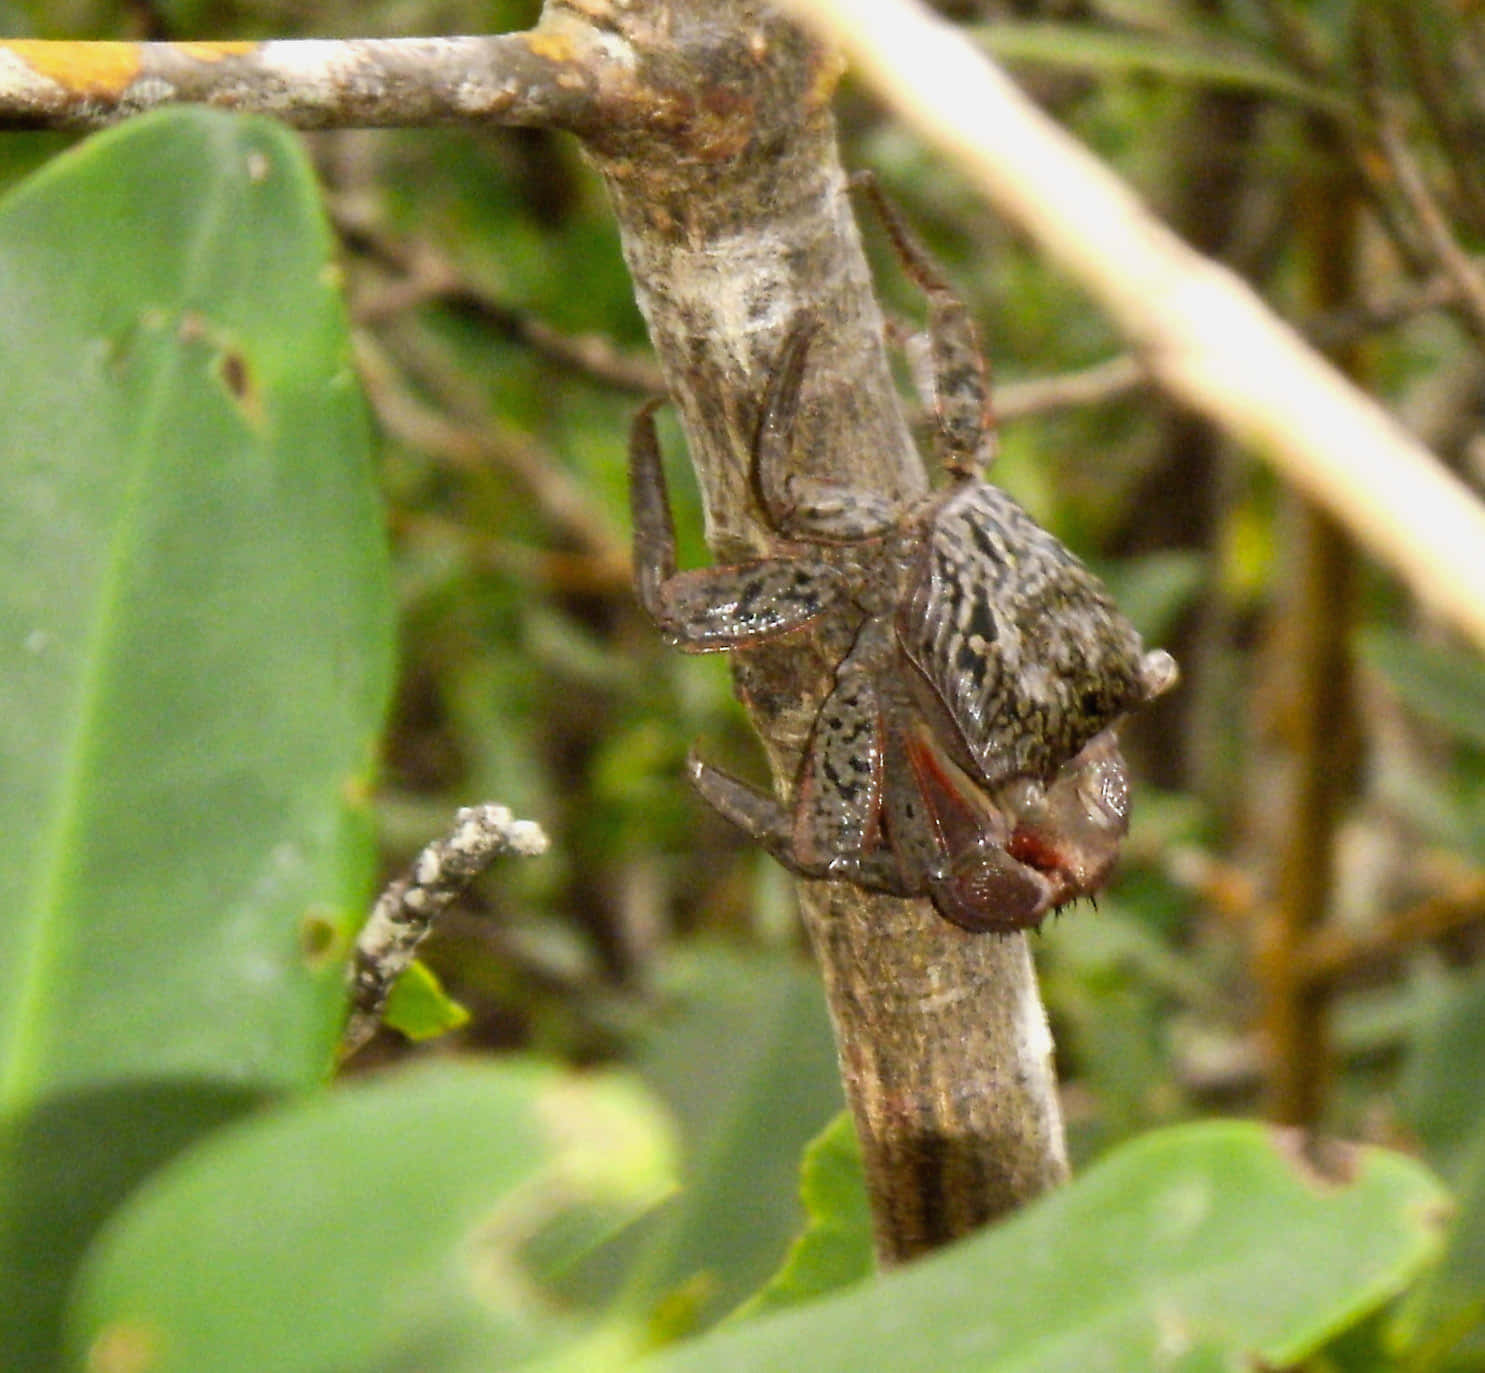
212 52
82 68
554 47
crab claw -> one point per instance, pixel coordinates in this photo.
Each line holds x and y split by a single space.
1071 831
988 891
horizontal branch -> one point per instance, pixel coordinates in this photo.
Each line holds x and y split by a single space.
1201 331
538 77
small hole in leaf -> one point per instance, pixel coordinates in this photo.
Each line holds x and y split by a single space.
319 937
235 374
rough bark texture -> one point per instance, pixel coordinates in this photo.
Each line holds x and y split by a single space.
734 215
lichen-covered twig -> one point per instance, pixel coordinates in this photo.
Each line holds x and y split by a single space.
405 912
539 77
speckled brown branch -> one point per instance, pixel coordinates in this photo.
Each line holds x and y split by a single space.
735 217
546 76
405 912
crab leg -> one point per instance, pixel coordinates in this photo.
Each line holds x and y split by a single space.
713 608
838 804
762 818
956 381
792 500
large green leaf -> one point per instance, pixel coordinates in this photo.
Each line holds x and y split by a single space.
418 1222
835 1248
1440 1095
194 657
1202 1246
746 1059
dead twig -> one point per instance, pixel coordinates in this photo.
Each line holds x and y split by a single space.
424 276
1332 955
477 444
405 912
1469 283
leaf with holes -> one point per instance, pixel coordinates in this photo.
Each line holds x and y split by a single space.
194 661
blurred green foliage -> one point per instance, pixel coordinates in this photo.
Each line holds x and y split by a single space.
528 676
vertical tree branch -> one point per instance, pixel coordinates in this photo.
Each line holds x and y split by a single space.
710 123
1315 709
734 216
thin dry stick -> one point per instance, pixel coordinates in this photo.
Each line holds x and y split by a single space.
1119 375
1091 386
477 443
1333 954
1203 333
1458 266
405 912
425 275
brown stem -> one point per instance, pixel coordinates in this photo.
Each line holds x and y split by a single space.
422 275
1315 714
1332 954
1433 223
1315 705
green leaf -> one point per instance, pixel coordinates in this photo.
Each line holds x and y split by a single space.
194 659
417 1221
746 1060
1445 685
1188 1245
420 1008
1080 47
835 1250
1440 1093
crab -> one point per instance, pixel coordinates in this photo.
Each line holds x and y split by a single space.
967 750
